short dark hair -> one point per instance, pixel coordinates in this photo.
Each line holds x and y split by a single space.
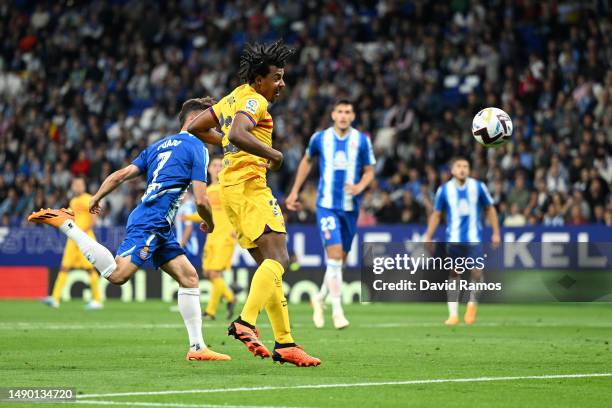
192 105
459 158
256 59
339 102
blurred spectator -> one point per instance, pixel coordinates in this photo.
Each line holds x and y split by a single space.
515 218
84 86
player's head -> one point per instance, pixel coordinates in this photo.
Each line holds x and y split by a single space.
214 168
343 114
460 168
192 108
78 185
263 66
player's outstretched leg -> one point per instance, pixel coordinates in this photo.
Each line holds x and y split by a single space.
63 219
453 302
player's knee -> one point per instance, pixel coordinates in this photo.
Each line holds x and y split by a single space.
118 278
189 280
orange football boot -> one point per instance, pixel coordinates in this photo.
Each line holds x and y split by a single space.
52 217
452 321
250 338
294 355
470 313
207 354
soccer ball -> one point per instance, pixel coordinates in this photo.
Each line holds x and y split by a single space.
492 127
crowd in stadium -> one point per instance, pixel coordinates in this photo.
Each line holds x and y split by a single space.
85 86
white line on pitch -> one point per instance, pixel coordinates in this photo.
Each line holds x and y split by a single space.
162 326
165 404
348 385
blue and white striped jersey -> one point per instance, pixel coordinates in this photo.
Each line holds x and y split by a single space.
463 207
170 165
341 161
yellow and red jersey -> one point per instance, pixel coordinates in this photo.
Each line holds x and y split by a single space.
83 218
240 166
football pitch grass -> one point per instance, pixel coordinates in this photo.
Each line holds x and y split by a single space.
549 355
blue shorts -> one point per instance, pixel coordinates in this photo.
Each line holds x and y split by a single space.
160 245
337 227
465 250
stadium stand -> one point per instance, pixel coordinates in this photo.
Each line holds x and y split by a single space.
86 85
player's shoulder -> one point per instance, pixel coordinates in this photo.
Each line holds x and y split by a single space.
363 137
250 100
316 136
475 182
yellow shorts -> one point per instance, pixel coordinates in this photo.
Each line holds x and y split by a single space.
217 256
73 258
252 210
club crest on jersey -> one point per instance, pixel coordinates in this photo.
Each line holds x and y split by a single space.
251 106
144 252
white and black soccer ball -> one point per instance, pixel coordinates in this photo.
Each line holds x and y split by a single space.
492 127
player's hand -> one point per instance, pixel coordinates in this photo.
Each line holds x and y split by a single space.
94 205
352 189
276 163
495 240
292 202
204 227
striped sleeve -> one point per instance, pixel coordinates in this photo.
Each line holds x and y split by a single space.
484 197
313 148
367 152
440 200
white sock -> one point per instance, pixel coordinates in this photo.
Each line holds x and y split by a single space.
452 296
96 253
333 282
189 306
453 309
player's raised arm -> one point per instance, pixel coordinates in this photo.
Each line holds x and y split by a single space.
111 183
240 136
203 126
202 204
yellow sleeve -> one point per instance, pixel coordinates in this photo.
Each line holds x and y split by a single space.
254 106
216 109
195 217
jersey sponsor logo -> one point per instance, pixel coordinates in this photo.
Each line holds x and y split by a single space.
251 106
224 121
340 160
463 207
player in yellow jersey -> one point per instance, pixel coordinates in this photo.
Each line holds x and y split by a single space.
247 127
219 247
73 258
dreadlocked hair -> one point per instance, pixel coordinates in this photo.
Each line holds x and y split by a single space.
257 58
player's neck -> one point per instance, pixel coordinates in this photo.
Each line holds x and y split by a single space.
341 133
460 183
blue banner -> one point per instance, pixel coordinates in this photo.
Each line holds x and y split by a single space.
43 246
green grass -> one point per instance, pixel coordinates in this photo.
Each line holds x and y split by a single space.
141 347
